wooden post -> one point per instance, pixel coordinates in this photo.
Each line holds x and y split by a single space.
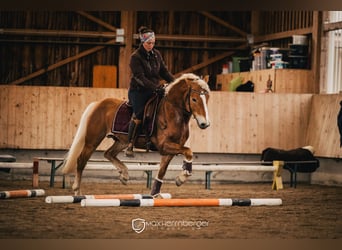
127 23
255 20
35 174
277 179
316 48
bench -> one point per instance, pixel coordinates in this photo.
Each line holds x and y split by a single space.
22 165
149 166
294 167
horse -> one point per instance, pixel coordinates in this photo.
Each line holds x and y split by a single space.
187 96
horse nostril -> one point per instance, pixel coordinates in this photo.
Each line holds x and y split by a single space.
204 125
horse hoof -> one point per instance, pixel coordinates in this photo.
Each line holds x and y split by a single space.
124 180
157 196
77 193
129 153
179 181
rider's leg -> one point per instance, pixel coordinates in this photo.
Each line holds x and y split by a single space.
133 132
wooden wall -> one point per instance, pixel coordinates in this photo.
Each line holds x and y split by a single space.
322 131
60 48
283 80
47 118
250 122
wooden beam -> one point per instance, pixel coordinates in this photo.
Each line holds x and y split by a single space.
72 58
255 22
96 20
332 26
196 38
127 23
281 35
223 23
59 64
57 33
210 61
316 48
95 34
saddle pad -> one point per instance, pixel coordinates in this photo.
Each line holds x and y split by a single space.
122 118
298 154
124 113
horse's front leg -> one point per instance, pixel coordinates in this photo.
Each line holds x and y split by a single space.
158 181
174 149
186 172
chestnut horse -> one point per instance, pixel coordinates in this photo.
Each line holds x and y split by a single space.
185 97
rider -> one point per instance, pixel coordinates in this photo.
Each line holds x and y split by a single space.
148 68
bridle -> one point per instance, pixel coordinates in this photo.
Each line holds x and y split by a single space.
199 92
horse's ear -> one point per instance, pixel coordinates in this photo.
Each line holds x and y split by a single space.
190 77
193 78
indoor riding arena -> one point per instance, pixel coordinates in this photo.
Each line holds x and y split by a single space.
262 109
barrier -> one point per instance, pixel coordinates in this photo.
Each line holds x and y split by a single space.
149 166
78 199
180 202
21 165
21 193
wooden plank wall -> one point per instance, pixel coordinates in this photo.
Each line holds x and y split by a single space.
259 78
47 118
250 122
294 81
30 54
323 132
283 80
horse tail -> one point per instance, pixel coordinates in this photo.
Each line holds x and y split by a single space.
70 161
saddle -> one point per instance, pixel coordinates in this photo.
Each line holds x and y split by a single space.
124 114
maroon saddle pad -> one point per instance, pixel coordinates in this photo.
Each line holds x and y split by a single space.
123 116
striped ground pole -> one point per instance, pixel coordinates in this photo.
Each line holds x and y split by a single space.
78 199
180 202
21 193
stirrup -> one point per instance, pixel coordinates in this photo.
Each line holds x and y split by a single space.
129 151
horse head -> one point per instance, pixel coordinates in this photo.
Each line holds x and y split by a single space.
195 97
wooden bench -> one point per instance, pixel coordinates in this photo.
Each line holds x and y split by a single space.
22 165
294 167
149 166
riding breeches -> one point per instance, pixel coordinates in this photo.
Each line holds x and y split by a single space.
138 98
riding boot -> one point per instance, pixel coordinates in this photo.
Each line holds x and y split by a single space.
133 130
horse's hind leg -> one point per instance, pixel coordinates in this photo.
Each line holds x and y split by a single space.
81 163
111 155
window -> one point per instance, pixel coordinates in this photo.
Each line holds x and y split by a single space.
334 55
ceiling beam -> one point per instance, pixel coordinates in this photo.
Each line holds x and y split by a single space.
281 35
96 34
332 26
223 23
210 61
196 38
97 20
58 33
59 64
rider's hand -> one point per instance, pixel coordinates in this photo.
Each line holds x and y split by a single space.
160 91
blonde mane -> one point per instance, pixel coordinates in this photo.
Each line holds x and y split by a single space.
190 76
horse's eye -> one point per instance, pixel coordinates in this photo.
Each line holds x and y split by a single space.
194 100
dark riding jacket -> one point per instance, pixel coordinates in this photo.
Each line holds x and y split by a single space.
148 68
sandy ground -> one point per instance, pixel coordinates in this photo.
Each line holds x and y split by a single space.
308 212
